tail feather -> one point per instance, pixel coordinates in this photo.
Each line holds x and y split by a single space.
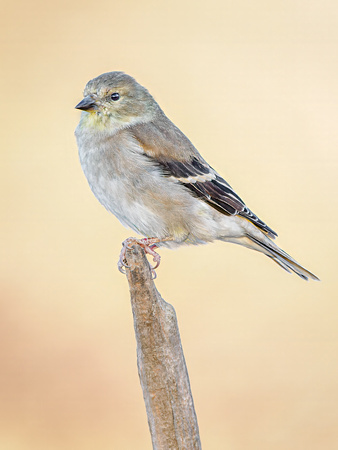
278 255
281 264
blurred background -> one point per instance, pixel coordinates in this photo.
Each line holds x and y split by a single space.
254 86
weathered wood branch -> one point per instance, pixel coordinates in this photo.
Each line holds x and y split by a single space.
161 365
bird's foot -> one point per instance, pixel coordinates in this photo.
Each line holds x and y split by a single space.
148 245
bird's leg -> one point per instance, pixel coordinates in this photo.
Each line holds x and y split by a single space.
148 245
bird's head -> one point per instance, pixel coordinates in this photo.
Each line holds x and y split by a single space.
116 99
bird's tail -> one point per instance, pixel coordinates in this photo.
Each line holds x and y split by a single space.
263 244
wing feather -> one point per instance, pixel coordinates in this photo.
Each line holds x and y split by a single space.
213 189
171 150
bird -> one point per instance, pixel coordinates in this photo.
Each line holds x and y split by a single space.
144 170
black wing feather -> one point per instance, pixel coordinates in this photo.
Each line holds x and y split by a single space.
214 190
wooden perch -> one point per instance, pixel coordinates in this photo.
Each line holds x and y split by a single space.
161 365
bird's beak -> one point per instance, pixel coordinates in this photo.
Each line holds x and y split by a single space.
87 104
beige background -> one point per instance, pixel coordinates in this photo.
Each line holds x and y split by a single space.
254 86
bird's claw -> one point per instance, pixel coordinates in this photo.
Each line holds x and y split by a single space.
121 266
148 245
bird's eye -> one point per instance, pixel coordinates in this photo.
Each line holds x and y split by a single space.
115 96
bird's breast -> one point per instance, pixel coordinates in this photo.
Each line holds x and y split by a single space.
122 180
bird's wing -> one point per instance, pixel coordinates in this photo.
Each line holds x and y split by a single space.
172 151
205 183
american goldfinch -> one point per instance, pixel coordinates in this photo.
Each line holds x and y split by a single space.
145 171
